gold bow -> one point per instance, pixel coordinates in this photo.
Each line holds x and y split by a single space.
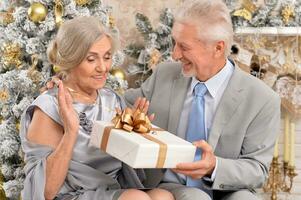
130 120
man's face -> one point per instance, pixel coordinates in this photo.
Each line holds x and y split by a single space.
195 56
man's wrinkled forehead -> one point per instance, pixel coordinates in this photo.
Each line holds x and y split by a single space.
184 31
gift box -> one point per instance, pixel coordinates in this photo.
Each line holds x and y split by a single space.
151 148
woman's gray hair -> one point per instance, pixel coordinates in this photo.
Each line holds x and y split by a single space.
212 18
74 39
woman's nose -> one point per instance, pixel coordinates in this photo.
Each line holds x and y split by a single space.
100 66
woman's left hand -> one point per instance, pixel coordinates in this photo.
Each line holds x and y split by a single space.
67 113
143 105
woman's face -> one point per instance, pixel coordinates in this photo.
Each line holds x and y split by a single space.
91 73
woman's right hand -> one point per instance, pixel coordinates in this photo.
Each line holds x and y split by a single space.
68 115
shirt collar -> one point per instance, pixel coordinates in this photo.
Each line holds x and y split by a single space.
214 83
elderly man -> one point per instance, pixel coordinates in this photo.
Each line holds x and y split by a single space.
232 117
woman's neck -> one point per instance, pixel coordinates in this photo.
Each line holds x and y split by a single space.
81 94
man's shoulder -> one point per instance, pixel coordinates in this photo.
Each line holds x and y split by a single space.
255 86
171 69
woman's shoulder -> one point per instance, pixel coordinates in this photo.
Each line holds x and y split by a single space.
47 97
47 103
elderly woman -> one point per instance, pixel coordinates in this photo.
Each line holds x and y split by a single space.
56 127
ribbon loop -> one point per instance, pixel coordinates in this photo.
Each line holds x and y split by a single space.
132 120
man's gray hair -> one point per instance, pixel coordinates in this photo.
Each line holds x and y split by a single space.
212 19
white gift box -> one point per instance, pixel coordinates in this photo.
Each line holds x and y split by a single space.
140 151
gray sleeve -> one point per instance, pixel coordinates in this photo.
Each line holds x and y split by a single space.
35 154
146 90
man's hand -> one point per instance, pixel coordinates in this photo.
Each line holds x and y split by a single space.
50 84
143 105
200 168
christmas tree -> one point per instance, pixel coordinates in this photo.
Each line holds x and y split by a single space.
26 31
271 13
157 45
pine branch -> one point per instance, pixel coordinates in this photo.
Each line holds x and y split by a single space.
143 24
166 17
133 50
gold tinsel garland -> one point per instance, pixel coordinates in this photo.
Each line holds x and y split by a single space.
11 53
7 17
82 2
287 13
32 73
247 10
4 95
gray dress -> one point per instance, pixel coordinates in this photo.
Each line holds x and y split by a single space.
92 174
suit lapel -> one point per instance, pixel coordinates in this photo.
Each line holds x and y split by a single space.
178 95
229 103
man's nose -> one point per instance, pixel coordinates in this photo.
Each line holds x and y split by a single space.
176 53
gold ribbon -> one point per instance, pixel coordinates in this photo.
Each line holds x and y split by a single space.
130 120
135 121
32 72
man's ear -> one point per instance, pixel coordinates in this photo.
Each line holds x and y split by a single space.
219 49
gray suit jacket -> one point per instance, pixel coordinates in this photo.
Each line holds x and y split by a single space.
244 130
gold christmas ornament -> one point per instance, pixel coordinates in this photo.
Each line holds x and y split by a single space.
37 12
56 68
82 2
4 95
287 13
1 119
119 73
7 17
11 53
154 58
